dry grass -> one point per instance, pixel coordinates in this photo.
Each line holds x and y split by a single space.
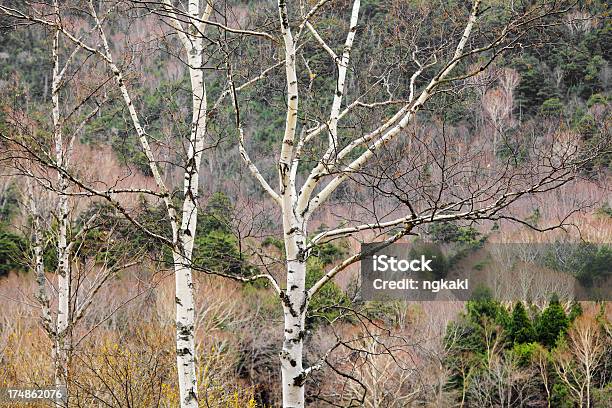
125 358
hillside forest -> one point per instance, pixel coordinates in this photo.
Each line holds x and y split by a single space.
185 187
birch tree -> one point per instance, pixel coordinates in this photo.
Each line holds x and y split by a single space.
188 22
371 158
580 357
58 323
80 287
75 292
183 220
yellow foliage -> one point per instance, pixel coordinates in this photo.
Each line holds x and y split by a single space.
134 369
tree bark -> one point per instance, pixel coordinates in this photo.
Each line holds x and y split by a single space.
185 340
63 260
185 313
294 310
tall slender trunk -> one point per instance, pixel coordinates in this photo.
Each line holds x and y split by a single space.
185 340
291 355
63 260
39 268
588 384
63 288
294 310
185 313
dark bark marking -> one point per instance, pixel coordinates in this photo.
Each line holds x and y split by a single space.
299 380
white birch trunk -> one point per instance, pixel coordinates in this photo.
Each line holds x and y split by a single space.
294 311
294 298
63 288
185 314
185 340
39 268
63 261
183 235
185 311
297 208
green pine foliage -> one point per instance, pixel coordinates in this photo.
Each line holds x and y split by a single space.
132 239
535 86
521 336
552 108
467 337
484 306
217 251
560 396
216 248
552 323
327 304
523 353
217 214
439 263
450 232
13 251
459 240
521 328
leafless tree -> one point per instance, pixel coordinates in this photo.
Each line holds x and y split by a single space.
498 104
541 360
581 357
77 284
188 24
419 171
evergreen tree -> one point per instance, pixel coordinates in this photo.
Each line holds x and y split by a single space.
552 323
216 248
218 252
217 214
483 305
12 251
521 329
575 311
327 304
535 86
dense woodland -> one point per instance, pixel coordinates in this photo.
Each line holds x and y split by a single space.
546 88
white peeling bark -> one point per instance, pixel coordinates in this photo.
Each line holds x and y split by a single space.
334 117
63 289
63 262
297 208
390 129
286 184
39 267
294 311
185 340
185 311
42 296
183 231
294 297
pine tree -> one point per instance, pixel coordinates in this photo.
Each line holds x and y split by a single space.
552 323
12 250
217 214
216 248
521 329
